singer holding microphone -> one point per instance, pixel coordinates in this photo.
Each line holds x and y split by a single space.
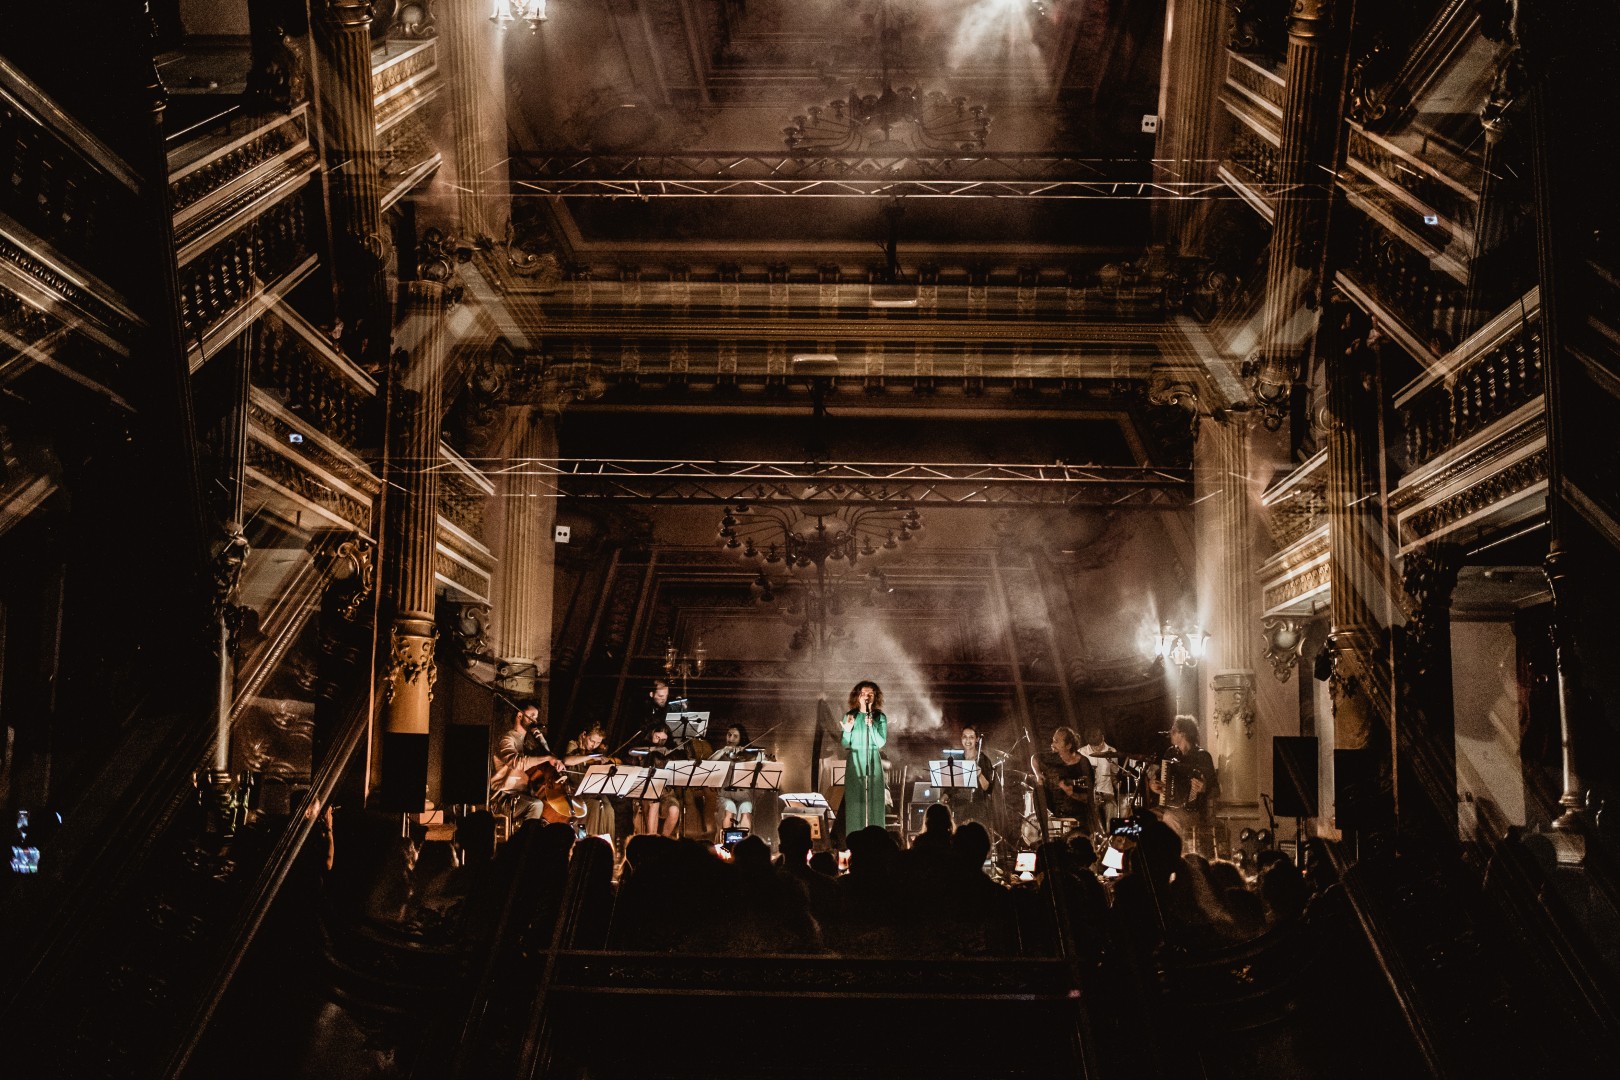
866 729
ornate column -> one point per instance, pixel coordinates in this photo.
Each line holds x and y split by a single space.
1193 65
523 589
409 553
1304 189
347 101
473 63
1353 554
1237 614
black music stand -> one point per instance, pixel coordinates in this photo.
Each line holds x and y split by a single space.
754 775
954 774
686 725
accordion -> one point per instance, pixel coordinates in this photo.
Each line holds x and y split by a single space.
1175 780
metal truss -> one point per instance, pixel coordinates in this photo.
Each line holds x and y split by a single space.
745 175
856 483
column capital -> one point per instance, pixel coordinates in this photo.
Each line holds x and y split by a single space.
346 14
1309 19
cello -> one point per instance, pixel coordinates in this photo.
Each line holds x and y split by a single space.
550 786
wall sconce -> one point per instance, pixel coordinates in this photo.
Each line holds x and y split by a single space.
508 12
1184 648
1285 641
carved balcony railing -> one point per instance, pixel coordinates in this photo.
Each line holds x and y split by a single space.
310 378
408 156
1399 285
1475 433
404 77
251 155
463 562
1250 166
222 283
1255 83
61 184
1295 578
1493 374
1430 189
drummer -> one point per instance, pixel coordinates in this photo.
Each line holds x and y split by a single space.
736 804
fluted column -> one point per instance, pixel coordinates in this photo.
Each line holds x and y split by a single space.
1304 188
413 508
343 40
477 114
1234 628
1354 557
524 579
1194 52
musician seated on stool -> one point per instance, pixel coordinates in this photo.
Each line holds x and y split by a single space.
600 813
657 752
736 804
520 749
1065 774
1190 810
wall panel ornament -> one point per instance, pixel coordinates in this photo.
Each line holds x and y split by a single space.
1284 638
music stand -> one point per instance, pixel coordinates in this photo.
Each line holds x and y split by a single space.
648 783
954 774
754 775
611 780
686 725
698 774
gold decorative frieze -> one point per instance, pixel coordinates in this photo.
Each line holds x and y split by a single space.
1291 589
405 81
269 468
1524 476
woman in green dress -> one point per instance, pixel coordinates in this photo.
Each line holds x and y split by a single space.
866 729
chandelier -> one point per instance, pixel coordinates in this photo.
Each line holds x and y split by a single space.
817 562
889 118
508 12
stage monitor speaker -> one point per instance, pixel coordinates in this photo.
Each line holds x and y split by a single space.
1357 800
404 773
466 765
1293 776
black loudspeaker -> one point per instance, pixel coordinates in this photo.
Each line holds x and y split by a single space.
1355 785
404 761
1293 775
466 765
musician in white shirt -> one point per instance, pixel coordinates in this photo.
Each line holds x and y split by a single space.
1104 771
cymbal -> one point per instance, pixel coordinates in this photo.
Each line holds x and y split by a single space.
1104 754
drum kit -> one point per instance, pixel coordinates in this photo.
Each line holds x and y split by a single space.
1131 799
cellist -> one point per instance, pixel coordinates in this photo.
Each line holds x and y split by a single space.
521 748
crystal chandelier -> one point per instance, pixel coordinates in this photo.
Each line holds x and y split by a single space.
889 118
817 562
508 12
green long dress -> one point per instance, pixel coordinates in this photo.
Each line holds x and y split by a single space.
863 772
